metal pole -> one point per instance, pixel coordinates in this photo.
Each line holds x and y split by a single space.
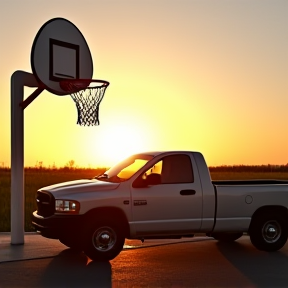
19 79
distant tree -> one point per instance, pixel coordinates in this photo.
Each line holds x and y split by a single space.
39 165
71 164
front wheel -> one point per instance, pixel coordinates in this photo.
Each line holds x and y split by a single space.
226 237
269 232
104 241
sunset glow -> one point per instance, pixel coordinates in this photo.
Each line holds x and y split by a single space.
208 76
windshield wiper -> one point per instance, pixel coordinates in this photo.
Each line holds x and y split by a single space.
102 176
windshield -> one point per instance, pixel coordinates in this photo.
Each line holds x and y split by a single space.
125 169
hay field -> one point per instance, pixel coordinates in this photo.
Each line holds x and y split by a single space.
36 178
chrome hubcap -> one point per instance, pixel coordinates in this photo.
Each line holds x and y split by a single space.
271 231
104 239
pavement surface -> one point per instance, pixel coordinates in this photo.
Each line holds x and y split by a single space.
37 247
188 262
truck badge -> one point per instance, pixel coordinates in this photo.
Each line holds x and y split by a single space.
140 202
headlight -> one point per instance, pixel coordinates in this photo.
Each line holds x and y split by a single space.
67 206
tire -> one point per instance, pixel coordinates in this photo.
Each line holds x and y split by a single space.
103 241
71 243
226 237
269 232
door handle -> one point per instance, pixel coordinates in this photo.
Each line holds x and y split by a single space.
188 192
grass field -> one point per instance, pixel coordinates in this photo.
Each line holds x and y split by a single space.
37 178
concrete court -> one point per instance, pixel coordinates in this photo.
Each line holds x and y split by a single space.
191 262
37 247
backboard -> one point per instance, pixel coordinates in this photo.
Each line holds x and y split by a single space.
60 52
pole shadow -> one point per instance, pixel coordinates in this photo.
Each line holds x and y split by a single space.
70 269
262 268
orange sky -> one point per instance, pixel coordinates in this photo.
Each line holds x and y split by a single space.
206 75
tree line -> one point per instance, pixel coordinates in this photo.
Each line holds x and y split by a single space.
249 168
223 168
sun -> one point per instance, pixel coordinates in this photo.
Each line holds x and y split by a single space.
121 141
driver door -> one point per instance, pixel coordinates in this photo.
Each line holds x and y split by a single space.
173 204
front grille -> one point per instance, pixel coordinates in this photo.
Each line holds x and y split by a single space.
45 204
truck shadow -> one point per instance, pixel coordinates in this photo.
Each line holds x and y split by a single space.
70 269
262 268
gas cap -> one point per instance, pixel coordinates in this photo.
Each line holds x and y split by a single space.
248 199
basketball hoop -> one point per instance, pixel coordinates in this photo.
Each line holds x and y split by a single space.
87 94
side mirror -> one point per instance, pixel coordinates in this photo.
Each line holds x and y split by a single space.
153 179
139 182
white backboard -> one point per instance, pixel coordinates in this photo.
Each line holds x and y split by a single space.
60 52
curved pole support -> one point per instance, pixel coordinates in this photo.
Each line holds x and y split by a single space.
19 79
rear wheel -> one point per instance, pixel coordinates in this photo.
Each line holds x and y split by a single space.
226 237
269 231
104 241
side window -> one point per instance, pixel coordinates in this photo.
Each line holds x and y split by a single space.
173 169
177 169
156 169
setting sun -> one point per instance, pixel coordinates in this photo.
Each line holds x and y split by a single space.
121 141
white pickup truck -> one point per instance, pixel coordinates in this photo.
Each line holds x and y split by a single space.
161 195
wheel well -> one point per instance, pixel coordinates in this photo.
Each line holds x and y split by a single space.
269 209
111 214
